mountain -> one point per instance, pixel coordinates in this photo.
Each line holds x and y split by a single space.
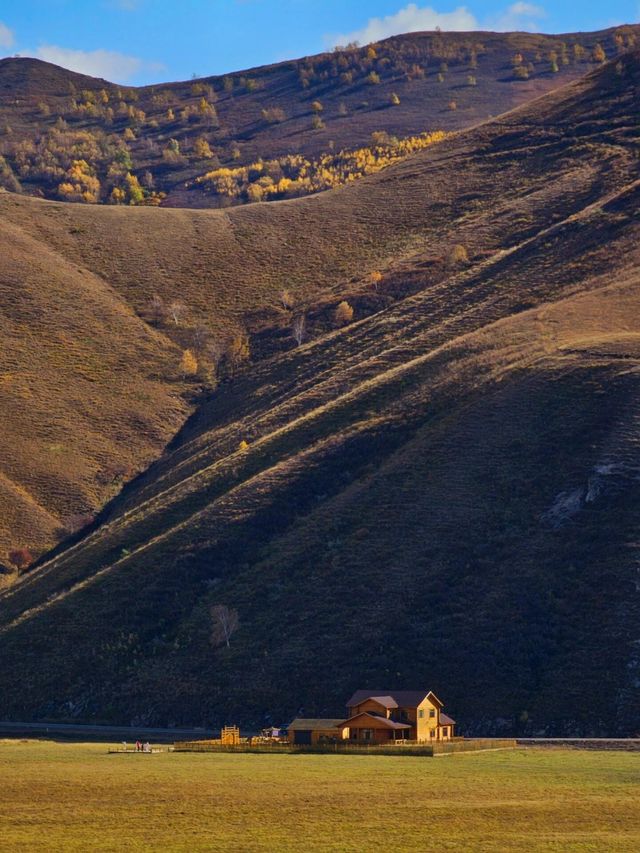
169 135
443 492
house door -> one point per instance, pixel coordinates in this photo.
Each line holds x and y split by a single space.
303 736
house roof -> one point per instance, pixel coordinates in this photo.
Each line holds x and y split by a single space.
402 698
372 721
446 720
385 701
304 724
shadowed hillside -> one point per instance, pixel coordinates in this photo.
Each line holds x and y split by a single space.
140 145
443 492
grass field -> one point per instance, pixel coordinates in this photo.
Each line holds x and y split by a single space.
77 797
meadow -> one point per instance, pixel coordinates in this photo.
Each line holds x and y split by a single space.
59 797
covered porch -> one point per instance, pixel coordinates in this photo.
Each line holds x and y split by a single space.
372 728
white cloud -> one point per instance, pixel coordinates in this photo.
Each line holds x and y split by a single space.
414 18
113 66
6 35
411 19
519 16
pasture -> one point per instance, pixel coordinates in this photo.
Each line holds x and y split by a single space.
76 797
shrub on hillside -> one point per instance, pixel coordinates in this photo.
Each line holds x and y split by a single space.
188 364
458 256
21 558
273 115
343 314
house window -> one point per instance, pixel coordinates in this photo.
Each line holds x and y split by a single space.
432 732
445 731
432 714
421 713
367 734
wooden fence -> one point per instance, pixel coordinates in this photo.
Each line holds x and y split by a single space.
407 749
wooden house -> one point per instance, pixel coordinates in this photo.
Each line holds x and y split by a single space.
418 711
380 717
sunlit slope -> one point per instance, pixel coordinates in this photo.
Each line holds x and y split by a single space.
444 492
86 390
404 85
229 267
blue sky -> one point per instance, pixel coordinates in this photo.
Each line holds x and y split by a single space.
144 41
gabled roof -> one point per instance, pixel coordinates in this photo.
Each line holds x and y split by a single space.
304 724
385 701
445 720
402 698
372 721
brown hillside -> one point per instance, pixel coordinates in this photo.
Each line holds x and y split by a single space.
477 71
229 267
443 492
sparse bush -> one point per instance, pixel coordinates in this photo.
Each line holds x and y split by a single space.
453 105
8 180
375 278
599 54
317 123
317 107
373 79
343 314
471 80
273 115
21 558
202 149
286 299
395 100
237 350
521 72
458 256
157 310
171 153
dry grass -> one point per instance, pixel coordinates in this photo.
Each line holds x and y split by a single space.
75 797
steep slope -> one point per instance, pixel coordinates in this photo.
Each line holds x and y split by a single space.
445 492
88 393
228 268
443 81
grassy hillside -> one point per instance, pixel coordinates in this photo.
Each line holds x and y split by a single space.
444 492
89 393
166 136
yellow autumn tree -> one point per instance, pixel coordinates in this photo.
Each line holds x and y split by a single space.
188 364
80 183
343 314
202 149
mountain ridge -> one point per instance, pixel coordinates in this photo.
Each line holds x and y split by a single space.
446 487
